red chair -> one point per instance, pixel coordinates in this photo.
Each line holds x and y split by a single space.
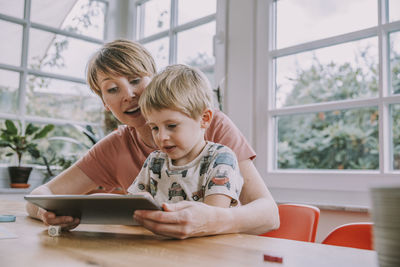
354 235
298 222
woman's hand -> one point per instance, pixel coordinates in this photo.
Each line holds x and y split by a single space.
49 218
184 219
71 181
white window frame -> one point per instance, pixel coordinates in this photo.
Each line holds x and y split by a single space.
218 43
24 71
345 188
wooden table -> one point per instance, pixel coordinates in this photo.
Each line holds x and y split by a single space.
113 245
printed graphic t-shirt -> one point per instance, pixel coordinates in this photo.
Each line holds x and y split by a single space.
117 159
214 171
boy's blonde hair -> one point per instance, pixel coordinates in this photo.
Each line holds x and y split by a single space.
178 87
119 58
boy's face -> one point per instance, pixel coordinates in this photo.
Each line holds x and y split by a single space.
176 134
121 95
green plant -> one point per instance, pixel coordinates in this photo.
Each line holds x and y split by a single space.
22 142
55 163
87 131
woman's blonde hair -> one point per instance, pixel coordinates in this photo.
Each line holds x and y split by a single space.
179 87
119 58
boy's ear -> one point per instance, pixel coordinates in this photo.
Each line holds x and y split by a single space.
206 118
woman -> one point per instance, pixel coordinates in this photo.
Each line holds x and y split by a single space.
118 73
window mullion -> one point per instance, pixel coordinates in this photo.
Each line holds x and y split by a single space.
12 19
106 16
327 106
64 33
330 41
24 62
141 22
272 131
173 50
385 140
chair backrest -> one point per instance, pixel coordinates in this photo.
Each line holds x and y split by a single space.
298 222
355 235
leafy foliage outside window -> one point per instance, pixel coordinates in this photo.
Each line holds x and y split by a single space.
342 139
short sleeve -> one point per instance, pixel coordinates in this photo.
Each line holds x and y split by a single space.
223 176
141 183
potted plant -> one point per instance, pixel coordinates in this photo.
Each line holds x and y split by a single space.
22 142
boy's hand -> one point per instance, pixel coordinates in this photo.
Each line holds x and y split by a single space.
49 218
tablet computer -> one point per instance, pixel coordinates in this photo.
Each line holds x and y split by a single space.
96 208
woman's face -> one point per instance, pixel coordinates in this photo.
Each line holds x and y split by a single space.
121 96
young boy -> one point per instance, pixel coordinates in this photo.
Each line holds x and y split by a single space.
177 105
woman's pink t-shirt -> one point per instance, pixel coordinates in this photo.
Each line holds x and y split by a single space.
117 159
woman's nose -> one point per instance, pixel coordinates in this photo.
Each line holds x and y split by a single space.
129 94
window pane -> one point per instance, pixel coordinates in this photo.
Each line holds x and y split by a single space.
59 54
342 139
195 46
4 151
209 72
345 71
395 114
193 9
300 21
83 16
54 148
9 83
11 46
61 99
13 8
155 16
395 61
394 10
159 49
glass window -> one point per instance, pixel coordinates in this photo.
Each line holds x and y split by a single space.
395 114
3 152
394 10
85 17
169 43
328 85
62 55
154 17
341 139
200 52
345 71
9 83
203 8
11 46
159 49
13 8
62 99
395 61
300 21
65 142
61 94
